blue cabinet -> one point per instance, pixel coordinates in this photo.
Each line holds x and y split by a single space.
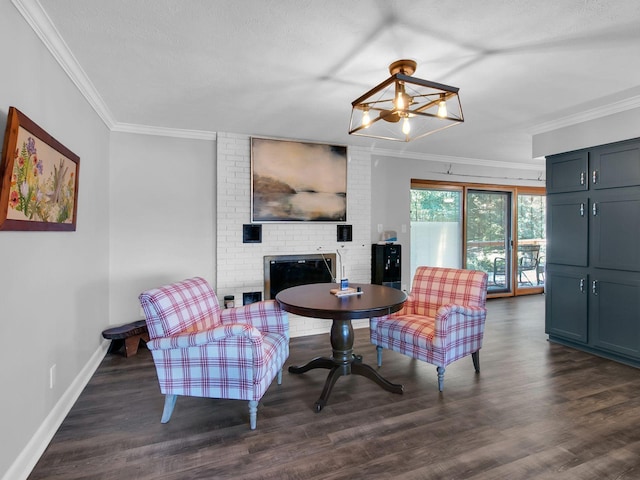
593 250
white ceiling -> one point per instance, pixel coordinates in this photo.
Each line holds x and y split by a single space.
291 68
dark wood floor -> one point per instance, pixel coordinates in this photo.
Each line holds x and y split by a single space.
536 411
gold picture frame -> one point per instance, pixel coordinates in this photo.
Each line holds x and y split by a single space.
39 189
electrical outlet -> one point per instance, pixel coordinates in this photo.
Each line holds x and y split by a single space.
404 228
52 376
379 228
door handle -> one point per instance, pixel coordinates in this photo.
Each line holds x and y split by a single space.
594 287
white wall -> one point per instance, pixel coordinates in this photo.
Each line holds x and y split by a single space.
162 216
240 265
54 286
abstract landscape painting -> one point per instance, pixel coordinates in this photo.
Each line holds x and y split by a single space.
297 181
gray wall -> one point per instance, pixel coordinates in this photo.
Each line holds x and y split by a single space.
54 286
391 181
162 216
146 215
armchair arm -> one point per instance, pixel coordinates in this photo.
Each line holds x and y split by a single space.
266 316
456 322
204 337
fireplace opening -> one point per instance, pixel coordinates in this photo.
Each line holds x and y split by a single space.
284 271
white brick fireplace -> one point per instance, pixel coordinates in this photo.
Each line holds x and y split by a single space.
240 265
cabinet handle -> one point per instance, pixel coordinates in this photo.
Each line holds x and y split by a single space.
594 177
581 178
582 280
594 287
594 209
582 209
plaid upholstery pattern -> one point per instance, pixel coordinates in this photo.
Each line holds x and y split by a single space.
441 321
202 351
183 306
258 314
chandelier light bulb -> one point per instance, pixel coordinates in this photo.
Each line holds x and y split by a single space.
406 126
400 101
442 109
366 119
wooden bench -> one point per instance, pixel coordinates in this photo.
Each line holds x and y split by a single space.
128 335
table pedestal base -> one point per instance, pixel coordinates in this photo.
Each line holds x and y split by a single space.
338 369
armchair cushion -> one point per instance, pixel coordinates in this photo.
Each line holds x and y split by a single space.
265 316
434 287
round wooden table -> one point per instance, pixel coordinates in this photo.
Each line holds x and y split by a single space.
317 301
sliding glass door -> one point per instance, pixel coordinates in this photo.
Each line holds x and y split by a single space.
488 239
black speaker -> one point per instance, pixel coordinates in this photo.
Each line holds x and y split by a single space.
345 233
386 263
252 233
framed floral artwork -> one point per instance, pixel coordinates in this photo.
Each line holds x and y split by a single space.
39 189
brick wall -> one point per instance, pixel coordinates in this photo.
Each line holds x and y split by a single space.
240 265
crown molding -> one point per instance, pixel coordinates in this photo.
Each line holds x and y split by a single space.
42 25
44 28
539 163
591 114
163 132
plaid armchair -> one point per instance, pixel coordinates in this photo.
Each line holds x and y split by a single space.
442 320
201 350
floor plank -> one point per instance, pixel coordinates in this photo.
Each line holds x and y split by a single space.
536 410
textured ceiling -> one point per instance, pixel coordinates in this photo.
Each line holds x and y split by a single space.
290 68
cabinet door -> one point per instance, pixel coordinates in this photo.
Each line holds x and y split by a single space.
616 165
614 312
567 229
566 303
615 229
567 172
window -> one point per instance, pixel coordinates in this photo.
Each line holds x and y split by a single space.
496 229
436 228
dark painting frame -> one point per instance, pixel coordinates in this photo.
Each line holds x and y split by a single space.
39 175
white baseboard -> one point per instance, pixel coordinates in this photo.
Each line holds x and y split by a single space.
24 463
